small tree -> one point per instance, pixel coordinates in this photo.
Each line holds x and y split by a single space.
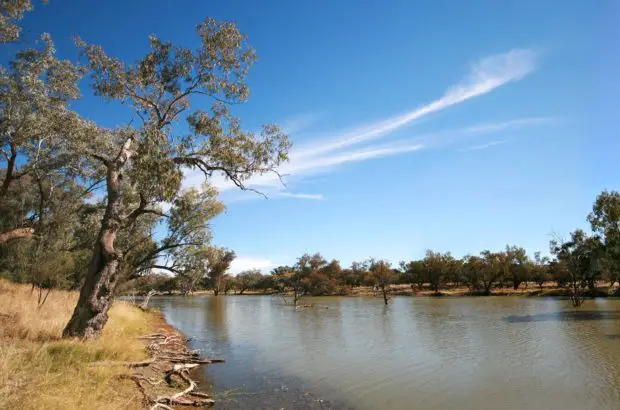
539 271
382 276
578 258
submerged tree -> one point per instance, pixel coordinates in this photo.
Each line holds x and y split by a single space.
578 257
150 158
383 276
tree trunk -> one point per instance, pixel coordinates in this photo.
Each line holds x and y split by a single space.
17 233
91 312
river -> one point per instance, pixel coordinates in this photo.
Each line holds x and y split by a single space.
417 353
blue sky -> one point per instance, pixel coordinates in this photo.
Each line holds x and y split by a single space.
456 126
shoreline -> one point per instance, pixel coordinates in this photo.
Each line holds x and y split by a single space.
170 365
548 290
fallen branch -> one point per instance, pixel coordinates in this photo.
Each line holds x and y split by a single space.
169 351
141 363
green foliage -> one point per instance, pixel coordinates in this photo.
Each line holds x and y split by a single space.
579 259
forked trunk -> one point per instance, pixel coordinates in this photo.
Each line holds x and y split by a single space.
91 312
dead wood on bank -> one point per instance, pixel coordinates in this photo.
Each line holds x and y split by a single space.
169 365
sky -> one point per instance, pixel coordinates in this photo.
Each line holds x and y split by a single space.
444 125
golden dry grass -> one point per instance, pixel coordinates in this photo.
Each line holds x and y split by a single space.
39 370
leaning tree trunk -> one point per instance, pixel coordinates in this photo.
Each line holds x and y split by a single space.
91 312
17 233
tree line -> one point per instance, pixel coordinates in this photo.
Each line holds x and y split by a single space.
576 264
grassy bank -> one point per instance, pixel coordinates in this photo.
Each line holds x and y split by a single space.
39 370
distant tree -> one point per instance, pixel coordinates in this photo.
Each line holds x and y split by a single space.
227 283
578 257
216 263
280 277
539 271
605 222
414 273
515 265
382 275
473 267
248 279
492 270
436 266
355 275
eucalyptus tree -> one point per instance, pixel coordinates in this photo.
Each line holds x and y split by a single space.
248 279
539 272
436 266
414 273
11 11
151 156
605 221
515 265
38 132
492 270
299 278
216 262
579 258
383 276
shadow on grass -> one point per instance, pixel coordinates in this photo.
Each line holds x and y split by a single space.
577 316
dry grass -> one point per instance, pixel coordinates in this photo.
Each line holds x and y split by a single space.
39 370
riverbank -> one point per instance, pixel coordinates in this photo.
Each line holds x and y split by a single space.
125 368
548 289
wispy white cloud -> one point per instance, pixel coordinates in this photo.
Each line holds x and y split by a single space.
325 155
243 263
485 146
500 126
316 197
299 123
485 76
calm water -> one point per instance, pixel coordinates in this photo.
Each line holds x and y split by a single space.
417 353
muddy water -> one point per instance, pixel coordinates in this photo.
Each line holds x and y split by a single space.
416 353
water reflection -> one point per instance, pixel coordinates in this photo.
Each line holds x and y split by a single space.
566 315
422 353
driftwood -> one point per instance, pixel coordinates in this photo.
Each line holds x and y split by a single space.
168 351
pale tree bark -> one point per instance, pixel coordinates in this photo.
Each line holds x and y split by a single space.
96 296
18 233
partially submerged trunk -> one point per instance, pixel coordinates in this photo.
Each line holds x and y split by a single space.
91 312
385 290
